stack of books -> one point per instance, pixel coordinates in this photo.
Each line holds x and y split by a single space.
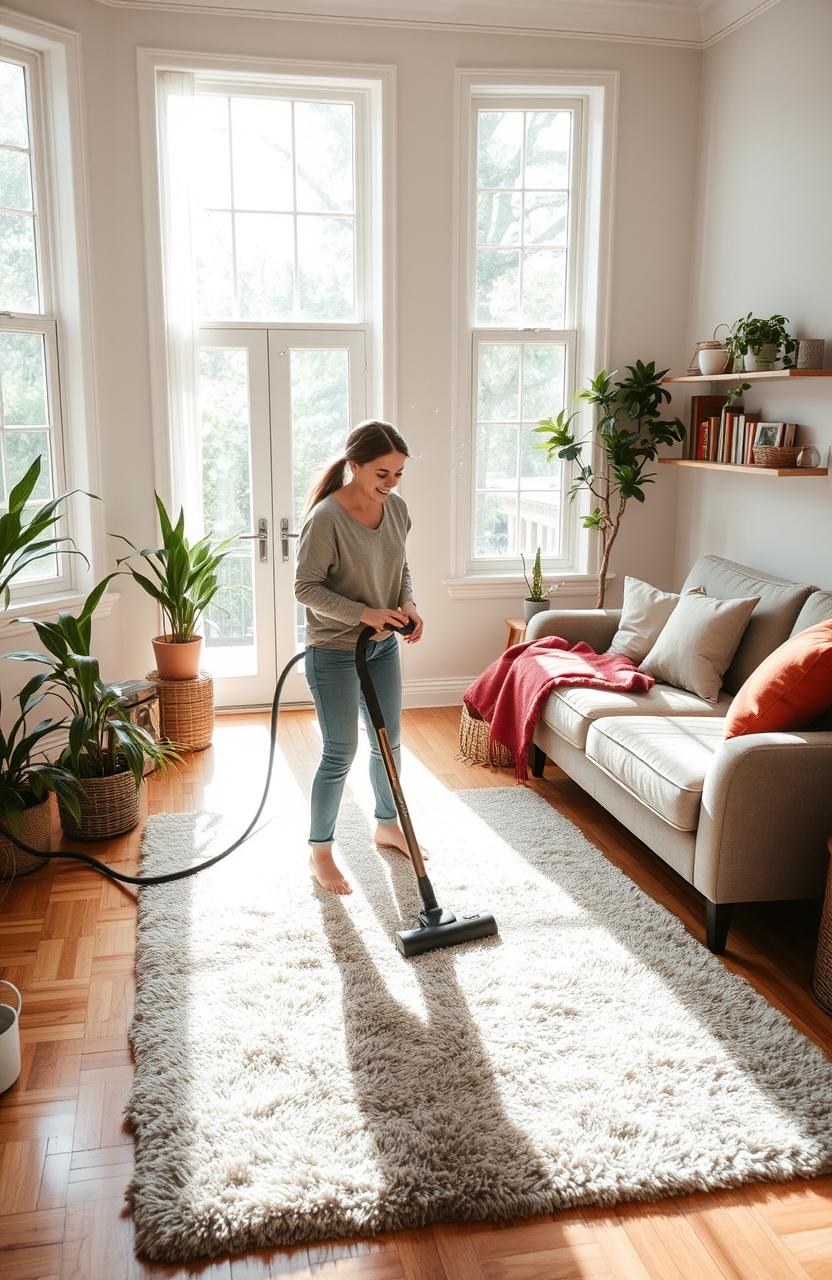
728 437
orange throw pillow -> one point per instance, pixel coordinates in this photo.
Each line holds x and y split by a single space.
789 689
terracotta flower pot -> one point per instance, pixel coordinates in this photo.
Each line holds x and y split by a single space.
35 824
109 807
177 661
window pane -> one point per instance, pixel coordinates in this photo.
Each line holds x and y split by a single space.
543 388
320 400
324 157
536 471
22 380
539 523
545 218
499 217
214 278
326 268
499 148
15 180
544 288
226 498
212 167
498 280
548 136
265 252
261 138
499 382
22 447
496 524
497 457
14 127
18 272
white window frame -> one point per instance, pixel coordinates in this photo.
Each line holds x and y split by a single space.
51 56
594 95
373 89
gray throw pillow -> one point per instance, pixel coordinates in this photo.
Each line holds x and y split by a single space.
643 614
698 642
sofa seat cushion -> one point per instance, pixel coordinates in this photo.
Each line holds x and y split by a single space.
570 711
661 760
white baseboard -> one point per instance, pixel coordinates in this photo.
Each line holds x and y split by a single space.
435 693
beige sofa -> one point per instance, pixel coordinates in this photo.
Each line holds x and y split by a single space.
742 821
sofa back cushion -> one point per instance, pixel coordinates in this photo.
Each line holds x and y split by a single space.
771 622
789 689
698 642
818 608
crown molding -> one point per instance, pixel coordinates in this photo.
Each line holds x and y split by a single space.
674 22
721 17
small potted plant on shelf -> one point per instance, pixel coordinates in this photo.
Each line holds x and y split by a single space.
106 751
629 432
25 784
756 344
184 581
538 597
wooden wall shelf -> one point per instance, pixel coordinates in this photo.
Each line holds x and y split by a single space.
773 472
749 377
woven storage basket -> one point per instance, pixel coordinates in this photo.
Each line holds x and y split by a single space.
766 455
109 806
822 976
34 830
476 746
186 710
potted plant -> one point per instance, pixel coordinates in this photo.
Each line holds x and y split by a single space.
106 751
184 582
629 432
25 784
755 344
21 544
538 597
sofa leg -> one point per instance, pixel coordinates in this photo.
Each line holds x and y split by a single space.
717 922
538 761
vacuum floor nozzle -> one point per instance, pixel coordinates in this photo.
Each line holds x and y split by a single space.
412 942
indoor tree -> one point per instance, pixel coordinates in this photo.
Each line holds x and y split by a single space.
628 432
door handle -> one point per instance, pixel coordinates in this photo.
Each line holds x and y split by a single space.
285 535
261 536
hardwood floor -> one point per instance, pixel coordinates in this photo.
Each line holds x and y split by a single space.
67 940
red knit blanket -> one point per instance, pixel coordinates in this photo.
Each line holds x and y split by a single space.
511 692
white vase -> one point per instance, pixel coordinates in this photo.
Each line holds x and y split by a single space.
763 361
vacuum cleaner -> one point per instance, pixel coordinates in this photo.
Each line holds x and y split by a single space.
437 927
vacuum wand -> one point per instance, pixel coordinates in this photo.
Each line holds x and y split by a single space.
438 927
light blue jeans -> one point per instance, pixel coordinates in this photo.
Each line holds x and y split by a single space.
333 680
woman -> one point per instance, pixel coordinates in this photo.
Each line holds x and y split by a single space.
352 573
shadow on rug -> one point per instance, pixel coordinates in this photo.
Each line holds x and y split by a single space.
298 1079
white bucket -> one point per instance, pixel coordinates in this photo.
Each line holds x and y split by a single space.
9 1039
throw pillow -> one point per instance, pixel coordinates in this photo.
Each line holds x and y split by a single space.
789 689
643 614
698 642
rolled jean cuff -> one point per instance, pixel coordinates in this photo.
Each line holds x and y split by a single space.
321 844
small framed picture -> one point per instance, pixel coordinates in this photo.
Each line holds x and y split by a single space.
768 433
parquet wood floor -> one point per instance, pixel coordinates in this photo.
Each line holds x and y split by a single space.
67 940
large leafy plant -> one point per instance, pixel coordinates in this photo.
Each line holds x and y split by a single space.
102 740
750 333
23 541
629 432
184 577
24 780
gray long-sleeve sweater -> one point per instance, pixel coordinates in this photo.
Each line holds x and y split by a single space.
343 568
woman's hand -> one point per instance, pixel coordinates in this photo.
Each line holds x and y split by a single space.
415 635
382 619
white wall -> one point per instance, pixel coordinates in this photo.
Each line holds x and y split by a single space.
765 191
653 228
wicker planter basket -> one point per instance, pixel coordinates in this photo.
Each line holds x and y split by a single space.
109 807
35 825
186 710
780 456
475 743
822 976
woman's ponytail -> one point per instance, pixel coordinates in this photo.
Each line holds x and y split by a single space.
332 479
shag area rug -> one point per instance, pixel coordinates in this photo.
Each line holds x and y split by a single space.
298 1079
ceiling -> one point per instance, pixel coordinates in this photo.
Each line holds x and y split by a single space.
695 23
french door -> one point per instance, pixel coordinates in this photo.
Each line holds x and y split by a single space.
275 407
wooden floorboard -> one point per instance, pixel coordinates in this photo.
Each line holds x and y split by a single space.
67 940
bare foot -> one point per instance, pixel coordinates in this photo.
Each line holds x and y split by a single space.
389 835
325 870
